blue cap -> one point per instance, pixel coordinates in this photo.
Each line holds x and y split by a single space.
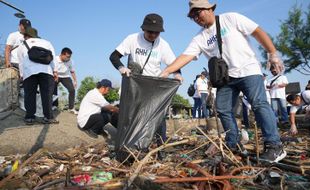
106 83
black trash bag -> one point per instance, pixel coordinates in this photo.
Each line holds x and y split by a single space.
143 105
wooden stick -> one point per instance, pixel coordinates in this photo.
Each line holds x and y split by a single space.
256 144
145 159
195 179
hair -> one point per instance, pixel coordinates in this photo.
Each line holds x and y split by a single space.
291 97
98 85
66 50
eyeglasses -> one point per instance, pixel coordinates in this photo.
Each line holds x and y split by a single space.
195 14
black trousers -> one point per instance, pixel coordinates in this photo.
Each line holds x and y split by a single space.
68 84
97 121
46 83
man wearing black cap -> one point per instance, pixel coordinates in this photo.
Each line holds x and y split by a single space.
93 114
146 51
244 71
13 41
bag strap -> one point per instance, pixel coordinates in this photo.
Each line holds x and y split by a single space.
148 57
26 44
274 80
218 33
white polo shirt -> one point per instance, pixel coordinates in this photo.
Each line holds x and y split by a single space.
64 68
28 67
277 92
138 50
237 50
14 40
91 104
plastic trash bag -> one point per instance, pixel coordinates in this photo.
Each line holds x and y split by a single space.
143 105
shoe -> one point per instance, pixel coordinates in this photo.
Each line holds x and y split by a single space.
29 121
49 121
73 111
273 153
239 150
91 134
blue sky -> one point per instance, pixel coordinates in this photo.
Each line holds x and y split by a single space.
93 29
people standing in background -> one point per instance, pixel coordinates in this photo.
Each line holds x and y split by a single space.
197 100
65 71
36 74
14 40
276 86
202 88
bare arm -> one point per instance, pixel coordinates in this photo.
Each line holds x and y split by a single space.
7 55
177 64
74 79
262 37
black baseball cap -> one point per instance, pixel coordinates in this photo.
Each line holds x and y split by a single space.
106 83
153 22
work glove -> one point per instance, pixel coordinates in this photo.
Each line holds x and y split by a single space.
275 61
293 130
124 70
179 77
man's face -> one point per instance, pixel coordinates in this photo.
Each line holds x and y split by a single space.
273 72
203 17
151 35
105 90
65 57
296 102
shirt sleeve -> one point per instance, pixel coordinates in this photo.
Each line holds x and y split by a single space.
124 47
242 23
193 48
10 40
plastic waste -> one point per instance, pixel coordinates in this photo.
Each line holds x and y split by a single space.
102 176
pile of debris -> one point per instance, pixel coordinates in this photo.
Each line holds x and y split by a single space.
195 160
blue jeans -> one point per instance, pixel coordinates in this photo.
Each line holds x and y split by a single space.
203 99
253 88
277 105
197 107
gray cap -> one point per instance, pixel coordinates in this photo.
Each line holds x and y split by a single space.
200 4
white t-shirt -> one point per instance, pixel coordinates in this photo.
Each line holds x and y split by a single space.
14 40
304 104
64 68
277 92
27 67
196 95
91 104
202 85
138 50
237 50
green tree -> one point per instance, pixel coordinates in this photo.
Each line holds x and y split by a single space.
178 100
293 42
112 96
87 84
